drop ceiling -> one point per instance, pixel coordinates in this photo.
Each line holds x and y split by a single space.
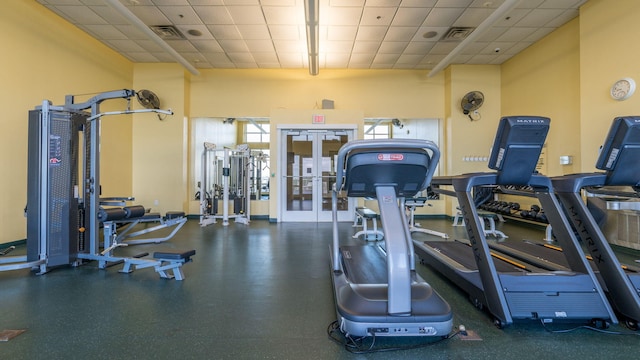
354 34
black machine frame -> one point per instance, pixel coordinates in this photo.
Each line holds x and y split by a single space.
509 296
619 158
64 212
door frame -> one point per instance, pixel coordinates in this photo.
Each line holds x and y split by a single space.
281 172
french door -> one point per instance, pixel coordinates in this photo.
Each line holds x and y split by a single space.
307 164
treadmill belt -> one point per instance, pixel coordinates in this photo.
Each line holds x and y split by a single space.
364 264
462 254
552 254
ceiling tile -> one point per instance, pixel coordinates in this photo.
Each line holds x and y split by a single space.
453 3
271 34
104 32
182 45
422 47
225 32
377 16
207 46
364 47
361 59
442 16
418 3
233 46
259 46
214 15
409 61
383 2
242 15
342 33
413 16
342 16
516 34
181 15
125 45
195 31
400 33
392 47
371 33
140 56
111 16
290 46
279 15
254 32
385 59
80 15
539 17
284 32
336 46
337 61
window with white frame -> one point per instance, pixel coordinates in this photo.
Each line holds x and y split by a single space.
376 129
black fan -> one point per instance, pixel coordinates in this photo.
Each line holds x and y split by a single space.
471 101
148 99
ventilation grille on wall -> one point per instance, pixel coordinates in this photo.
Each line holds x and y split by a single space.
457 33
167 32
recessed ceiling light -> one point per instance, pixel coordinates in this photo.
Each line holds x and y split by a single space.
430 34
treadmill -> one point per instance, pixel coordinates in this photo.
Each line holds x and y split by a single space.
620 159
536 293
376 288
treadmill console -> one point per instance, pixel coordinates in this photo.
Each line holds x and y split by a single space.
620 153
517 147
404 169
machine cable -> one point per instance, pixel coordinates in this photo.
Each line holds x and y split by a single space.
356 345
587 327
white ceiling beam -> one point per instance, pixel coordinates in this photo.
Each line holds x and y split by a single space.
135 21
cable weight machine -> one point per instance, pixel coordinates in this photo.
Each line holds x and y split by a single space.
63 201
226 176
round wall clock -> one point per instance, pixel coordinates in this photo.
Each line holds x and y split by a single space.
623 89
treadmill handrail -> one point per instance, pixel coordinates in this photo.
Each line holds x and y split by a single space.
385 144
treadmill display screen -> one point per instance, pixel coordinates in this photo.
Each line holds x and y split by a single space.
620 152
517 147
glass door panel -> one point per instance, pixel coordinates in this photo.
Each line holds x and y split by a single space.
309 158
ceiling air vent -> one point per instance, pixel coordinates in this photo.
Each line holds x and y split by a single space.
457 33
167 32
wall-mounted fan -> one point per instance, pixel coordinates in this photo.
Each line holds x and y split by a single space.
471 102
148 99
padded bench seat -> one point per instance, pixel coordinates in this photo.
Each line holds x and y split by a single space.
364 215
171 263
174 255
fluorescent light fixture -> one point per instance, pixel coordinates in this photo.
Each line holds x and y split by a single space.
311 19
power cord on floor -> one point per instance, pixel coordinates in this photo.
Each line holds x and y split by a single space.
587 327
358 345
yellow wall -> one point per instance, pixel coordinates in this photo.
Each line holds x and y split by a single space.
544 80
290 96
379 93
608 52
160 147
566 76
45 57
463 137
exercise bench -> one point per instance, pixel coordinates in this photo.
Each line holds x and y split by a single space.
488 219
168 264
175 219
363 215
412 204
